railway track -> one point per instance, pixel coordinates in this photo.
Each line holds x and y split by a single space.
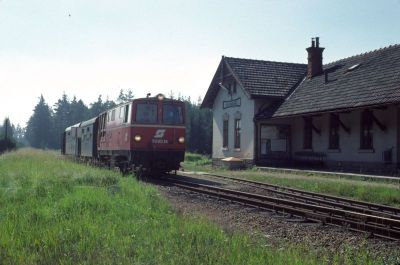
378 220
319 199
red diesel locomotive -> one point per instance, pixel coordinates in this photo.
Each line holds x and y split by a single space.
145 134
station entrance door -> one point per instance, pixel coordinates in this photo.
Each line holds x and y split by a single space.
274 143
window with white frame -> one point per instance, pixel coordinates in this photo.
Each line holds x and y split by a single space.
237 133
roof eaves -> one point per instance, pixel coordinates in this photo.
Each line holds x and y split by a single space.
207 103
257 96
310 113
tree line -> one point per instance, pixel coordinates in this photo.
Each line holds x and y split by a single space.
47 123
7 141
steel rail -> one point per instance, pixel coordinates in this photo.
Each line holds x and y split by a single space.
378 226
320 201
391 211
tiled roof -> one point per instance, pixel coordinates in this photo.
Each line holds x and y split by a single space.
259 78
266 78
375 80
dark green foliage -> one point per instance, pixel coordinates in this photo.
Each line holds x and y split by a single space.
62 117
198 128
6 145
78 111
96 107
99 106
46 125
40 129
7 140
197 162
125 96
19 136
67 113
7 130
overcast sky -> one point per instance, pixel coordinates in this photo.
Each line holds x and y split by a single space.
92 47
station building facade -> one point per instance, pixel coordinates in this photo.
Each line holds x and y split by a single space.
344 115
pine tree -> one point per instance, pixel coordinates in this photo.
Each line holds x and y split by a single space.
62 118
205 119
121 96
108 104
79 111
7 141
19 133
96 107
40 127
7 131
198 128
99 106
124 96
129 95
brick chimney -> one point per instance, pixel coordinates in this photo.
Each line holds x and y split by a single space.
314 58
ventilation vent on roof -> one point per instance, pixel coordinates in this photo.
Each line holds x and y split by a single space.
353 67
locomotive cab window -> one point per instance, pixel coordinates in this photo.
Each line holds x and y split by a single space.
146 113
172 114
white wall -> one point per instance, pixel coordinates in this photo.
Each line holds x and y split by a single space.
350 143
247 125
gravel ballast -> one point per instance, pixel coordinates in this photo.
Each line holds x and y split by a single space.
277 229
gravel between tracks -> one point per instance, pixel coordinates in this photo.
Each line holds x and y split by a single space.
279 231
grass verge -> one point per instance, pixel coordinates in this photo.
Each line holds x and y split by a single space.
53 211
366 190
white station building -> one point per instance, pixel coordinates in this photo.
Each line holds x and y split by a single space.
344 115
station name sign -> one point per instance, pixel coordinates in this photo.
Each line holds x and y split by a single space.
232 103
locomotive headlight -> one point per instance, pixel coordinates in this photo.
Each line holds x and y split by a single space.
160 97
138 138
181 140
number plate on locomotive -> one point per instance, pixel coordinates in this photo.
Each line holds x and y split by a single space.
159 141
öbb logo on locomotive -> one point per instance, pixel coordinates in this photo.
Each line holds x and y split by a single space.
159 133
132 135
157 137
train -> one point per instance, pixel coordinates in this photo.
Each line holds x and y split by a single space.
144 136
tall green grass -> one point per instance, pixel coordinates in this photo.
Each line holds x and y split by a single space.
197 162
53 211
370 191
